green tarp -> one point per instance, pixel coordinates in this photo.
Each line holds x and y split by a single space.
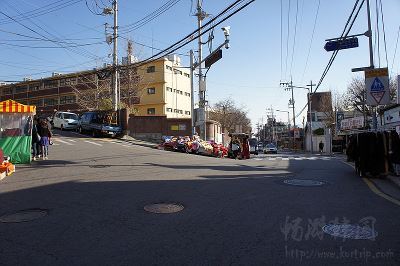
18 148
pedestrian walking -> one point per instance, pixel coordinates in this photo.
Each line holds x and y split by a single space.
321 147
45 135
35 140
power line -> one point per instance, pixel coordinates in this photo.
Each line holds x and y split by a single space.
40 11
140 23
57 42
193 35
344 34
294 37
281 37
50 47
395 49
311 41
384 33
287 38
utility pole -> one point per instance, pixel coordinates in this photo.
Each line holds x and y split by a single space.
192 91
310 90
371 63
115 56
202 90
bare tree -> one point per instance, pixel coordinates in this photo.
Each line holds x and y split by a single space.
229 115
356 94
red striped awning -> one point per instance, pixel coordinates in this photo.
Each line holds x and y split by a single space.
11 106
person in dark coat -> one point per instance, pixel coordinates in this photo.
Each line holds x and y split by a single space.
35 140
321 147
45 135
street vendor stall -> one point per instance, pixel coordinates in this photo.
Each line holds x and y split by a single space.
16 130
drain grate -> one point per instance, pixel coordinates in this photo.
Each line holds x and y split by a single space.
24 216
164 208
303 182
350 231
99 166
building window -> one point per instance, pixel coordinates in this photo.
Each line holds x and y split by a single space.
37 102
181 92
187 112
47 84
169 89
169 110
168 67
21 89
67 99
151 69
187 94
7 91
34 87
151 90
151 111
186 75
24 101
68 81
50 101
180 111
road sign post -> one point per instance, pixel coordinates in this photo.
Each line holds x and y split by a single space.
341 44
377 86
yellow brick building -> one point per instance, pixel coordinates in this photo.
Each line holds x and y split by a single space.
164 89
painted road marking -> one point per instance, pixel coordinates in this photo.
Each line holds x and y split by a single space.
374 189
65 142
94 143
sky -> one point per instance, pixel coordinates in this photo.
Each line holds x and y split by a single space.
261 53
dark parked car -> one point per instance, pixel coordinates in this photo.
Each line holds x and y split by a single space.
99 123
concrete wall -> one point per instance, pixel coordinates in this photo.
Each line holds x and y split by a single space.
154 127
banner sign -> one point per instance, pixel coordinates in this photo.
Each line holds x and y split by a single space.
352 123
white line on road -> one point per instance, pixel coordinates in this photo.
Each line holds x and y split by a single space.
94 143
65 142
71 140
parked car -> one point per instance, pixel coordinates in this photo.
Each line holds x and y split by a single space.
270 148
65 120
99 123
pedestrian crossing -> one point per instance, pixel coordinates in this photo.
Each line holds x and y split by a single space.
64 141
294 158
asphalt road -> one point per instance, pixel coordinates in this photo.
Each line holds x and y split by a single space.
92 193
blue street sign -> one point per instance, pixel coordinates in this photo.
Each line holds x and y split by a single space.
341 44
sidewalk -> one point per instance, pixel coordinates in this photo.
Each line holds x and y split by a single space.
139 142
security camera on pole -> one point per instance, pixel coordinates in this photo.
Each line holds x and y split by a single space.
213 57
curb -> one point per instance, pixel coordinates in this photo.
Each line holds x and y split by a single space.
395 180
140 143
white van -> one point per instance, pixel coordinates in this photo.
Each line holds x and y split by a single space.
65 120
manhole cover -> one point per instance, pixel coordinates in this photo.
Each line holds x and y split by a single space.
303 182
23 216
99 166
350 231
163 208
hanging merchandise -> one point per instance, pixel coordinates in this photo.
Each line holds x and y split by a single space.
374 153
